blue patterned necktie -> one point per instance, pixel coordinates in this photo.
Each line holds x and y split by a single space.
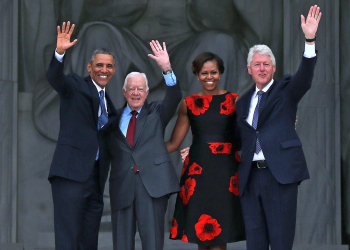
102 119
255 121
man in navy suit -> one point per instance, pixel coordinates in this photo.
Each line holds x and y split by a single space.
77 180
272 159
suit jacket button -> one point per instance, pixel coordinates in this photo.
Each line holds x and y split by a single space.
257 132
132 167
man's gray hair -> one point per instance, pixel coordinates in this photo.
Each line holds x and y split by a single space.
132 74
262 50
101 51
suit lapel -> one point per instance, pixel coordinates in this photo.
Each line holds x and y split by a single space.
95 97
140 121
110 108
265 103
117 130
247 100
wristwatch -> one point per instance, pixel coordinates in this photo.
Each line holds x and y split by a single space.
311 40
169 71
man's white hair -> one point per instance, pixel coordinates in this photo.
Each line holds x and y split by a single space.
132 74
262 50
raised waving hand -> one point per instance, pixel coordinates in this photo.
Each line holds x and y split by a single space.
161 55
310 25
63 37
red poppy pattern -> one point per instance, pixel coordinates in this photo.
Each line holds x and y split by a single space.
173 229
198 104
202 187
187 160
194 169
187 190
220 147
207 228
228 106
234 183
184 237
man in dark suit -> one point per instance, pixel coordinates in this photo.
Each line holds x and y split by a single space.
77 180
142 174
272 159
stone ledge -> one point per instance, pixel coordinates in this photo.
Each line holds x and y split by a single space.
11 246
321 247
106 243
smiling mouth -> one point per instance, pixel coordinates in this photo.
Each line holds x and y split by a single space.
136 98
211 82
103 76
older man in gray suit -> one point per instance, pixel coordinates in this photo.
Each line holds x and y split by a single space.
142 174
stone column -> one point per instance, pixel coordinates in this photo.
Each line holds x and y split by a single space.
8 120
319 214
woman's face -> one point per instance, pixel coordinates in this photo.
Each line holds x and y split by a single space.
209 75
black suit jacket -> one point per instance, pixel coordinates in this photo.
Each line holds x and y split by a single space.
78 141
149 152
276 127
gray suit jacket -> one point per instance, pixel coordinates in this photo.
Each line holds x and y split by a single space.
149 152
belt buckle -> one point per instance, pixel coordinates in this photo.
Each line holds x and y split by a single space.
258 165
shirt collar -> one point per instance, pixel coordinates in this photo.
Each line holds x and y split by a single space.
99 88
128 110
264 89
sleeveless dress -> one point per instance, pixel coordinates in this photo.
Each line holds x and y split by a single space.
208 210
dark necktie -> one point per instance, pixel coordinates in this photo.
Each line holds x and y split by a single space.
255 121
130 134
102 119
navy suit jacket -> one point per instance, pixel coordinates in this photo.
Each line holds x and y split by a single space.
78 140
276 127
148 152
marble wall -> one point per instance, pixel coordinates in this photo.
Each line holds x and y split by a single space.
319 210
8 120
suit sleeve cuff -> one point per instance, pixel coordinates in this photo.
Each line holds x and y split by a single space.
59 57
309 50
170 79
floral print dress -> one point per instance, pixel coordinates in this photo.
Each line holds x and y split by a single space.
208 210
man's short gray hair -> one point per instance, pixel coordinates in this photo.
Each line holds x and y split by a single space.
101 51
262 50
132 74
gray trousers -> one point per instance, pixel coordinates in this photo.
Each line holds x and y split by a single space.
148 212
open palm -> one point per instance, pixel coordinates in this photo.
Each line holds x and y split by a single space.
310 25
63 37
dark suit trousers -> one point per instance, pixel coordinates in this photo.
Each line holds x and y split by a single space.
148 212
78 210
269 211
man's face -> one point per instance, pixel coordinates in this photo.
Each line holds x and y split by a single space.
262 70
101 69
135 92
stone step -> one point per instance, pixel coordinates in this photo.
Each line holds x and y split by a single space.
11 246
106 243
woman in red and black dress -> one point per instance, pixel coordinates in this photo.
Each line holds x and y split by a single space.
208 210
